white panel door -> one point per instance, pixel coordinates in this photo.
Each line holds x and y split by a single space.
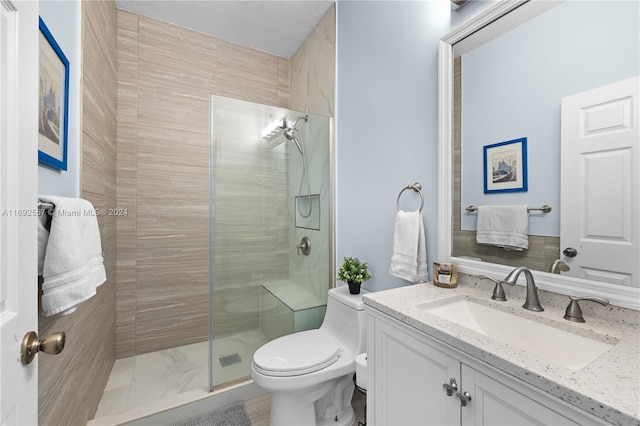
600 215
18 197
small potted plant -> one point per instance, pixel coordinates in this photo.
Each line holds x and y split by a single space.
354 273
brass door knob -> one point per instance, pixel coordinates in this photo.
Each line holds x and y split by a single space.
53 344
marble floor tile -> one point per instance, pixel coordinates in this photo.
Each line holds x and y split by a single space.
156 388
152 377
121 374
113 401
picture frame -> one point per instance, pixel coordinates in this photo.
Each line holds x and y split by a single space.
505 166
53 101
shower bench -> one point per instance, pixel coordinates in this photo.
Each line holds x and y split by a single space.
286 307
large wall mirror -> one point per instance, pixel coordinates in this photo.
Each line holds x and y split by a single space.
503 76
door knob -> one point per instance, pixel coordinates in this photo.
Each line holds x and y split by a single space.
570 252
53 344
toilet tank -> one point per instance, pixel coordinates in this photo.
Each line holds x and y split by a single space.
346 320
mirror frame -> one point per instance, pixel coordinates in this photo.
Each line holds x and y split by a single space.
628 297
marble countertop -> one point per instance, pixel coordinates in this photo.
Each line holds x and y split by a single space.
608 388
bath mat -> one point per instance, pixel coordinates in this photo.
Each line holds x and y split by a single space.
230 415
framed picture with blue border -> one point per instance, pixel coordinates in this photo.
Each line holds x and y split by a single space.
53 102
505 166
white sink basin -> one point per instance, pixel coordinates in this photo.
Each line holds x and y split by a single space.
558 346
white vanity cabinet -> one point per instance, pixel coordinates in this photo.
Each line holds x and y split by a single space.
407 370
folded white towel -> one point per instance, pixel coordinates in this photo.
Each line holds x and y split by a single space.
409 259
72 264
503 226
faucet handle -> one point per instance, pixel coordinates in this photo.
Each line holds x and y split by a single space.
574 313
487 277
498 291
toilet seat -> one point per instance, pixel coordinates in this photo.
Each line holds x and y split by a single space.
297 354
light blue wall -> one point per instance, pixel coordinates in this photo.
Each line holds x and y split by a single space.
63 18
386 124
513 87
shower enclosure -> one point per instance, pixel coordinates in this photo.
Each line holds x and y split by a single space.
270 229
265 223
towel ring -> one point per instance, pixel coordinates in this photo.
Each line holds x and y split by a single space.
416 187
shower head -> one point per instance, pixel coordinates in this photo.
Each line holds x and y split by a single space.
286 128
288 133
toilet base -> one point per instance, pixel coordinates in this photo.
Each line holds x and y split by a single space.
305 415
328 403
344 418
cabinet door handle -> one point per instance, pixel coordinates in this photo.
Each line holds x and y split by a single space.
464 397
450 388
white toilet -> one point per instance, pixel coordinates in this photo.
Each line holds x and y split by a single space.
310 374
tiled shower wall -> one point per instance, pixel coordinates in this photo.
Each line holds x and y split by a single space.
70 384
165 77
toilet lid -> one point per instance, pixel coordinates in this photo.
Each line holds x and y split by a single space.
298 353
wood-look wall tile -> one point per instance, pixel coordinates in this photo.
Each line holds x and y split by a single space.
175 38
126 340
165 110
109 135
173 147
91 329
245 73
92 112
284 96
164 215
127 40
178 252
182 183
166 76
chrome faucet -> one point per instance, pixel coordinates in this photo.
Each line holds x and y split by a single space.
532 301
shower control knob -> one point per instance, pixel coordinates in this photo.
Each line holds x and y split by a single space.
304 246
570 252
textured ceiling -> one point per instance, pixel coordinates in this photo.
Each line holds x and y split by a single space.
272 26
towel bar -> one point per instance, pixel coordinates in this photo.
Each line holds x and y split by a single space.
545 209
416 187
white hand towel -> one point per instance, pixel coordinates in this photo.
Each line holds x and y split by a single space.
409 259
503 226
72 266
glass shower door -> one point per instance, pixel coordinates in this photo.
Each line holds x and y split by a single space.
261 285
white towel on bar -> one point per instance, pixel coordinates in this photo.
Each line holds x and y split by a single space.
503 226
409 259
72 264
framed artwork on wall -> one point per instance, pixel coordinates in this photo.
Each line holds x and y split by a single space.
505 166
53 102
